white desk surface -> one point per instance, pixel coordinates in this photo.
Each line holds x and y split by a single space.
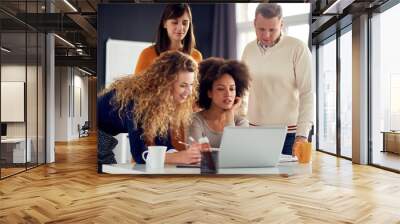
284 168
13 140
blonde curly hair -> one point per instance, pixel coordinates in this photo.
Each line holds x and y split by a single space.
152 93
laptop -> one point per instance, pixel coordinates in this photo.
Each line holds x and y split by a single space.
249 147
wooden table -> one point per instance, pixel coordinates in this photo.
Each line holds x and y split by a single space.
391 141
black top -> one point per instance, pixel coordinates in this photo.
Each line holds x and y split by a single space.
110 122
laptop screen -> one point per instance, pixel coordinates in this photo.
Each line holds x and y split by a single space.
251 147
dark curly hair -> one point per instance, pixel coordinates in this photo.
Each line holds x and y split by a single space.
214 68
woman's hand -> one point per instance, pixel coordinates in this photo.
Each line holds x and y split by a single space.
295 148
236 104
230 114
191 155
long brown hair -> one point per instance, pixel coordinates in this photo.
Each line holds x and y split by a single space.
173 11
151 92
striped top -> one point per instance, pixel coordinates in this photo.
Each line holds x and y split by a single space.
291 128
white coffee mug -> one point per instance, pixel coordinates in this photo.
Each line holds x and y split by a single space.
155 157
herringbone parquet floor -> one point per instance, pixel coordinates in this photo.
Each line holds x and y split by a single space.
71 191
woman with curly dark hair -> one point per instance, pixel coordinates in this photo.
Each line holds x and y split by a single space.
222 85
150 105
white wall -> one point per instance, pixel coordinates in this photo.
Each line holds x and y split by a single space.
121 58
80 83
61 103
33 126
12 73
70 83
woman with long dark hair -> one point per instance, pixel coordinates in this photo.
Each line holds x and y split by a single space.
175 32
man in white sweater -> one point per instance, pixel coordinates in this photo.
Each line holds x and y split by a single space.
280 68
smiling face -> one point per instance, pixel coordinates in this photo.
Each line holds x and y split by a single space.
182 87
177 28
223 92
268 30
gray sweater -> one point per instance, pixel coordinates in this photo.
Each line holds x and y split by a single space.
200 128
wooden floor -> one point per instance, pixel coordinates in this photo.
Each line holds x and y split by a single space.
5 172
387 159
71 191
8 171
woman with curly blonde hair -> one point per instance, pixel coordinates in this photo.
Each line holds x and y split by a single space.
148 106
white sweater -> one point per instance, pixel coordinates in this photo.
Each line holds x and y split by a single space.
280 91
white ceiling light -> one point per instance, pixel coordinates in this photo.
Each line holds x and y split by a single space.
84 71
70 5
337 7
5 50
65 41
79 51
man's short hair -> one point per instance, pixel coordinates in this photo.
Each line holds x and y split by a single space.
269 10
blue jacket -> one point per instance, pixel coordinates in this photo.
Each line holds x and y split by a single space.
110 123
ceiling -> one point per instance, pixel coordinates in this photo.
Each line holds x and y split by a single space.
77 25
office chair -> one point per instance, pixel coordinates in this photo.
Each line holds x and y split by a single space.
84 130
